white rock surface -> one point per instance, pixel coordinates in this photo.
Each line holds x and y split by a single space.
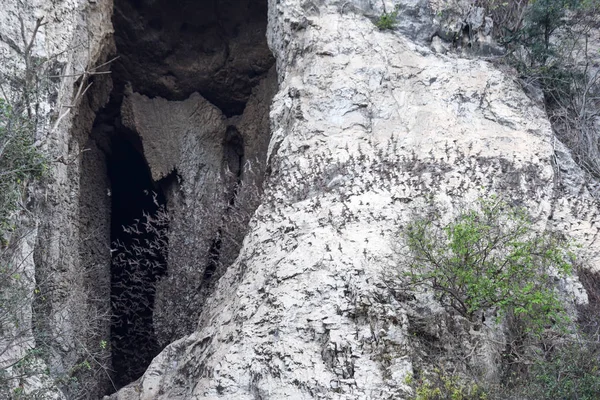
367 126
74 37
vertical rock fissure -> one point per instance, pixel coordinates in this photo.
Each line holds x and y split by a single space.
233 157
138 235
138 232
233 149
187 114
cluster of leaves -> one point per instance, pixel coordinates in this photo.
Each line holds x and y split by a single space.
489 259
440 386
569 369
541 20
387 20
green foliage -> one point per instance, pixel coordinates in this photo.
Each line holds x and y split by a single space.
541 20
20 160
569 371
441 386
489 259
570 367
532 23
551 50
535 31
387 21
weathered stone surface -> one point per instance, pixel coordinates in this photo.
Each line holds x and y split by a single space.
254 123
176 135
367 126
75 36
173 51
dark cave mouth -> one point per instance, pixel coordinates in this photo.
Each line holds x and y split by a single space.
139 226
216 49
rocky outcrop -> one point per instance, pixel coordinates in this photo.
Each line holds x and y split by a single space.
218 51
355 131
73 37
368 127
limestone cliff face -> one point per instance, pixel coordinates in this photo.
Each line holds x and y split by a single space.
74 36
356 128
365 126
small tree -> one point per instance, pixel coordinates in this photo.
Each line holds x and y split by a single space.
542 19
489 258
387 20
550 44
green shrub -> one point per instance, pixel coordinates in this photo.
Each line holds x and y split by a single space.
541 20
489 258
568 371
442 386
387 20
568 368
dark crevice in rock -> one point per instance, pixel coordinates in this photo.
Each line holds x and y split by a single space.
233 157
213 262
233 153
138 227
188 111
139 259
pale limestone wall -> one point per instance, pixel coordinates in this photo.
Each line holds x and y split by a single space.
368 127
76 35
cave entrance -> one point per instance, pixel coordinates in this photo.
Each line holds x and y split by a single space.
139 223
169 55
